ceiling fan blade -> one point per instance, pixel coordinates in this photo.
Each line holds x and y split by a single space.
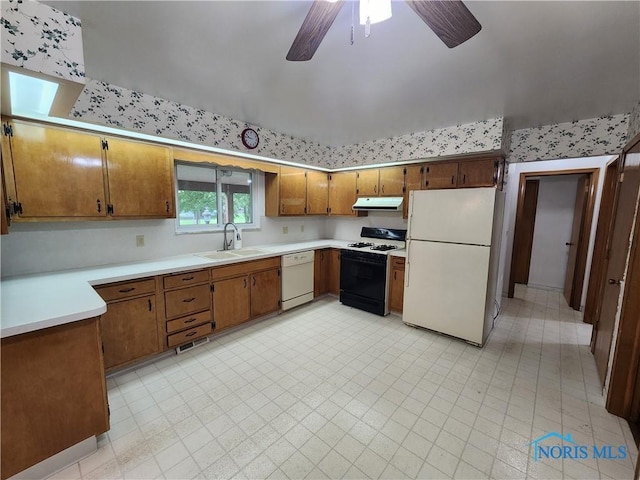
313 29
450 20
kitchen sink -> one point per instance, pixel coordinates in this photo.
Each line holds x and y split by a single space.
224 255
230 254
243 252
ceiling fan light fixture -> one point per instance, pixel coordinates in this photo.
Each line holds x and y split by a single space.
374 11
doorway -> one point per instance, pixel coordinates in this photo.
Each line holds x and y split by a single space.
560 205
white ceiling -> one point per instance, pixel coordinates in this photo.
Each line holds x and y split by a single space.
535 63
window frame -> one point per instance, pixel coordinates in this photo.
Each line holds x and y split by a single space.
256 192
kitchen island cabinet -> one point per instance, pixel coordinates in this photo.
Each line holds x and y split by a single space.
53 393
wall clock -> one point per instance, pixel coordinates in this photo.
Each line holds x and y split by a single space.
250 138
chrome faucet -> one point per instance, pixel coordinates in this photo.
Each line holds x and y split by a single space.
227 244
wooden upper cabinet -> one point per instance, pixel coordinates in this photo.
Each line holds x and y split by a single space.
317 192
293 190
368 182
478 173
342 193
413 181
53 172
140 179
392 181
441 175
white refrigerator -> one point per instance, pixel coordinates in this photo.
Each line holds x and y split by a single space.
451 273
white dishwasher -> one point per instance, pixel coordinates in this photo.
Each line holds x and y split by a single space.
297 279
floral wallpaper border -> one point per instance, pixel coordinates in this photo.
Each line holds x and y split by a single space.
119 107
42 39
582 138
481 136
634 122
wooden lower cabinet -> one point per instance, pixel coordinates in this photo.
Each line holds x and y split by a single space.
231 302
396 284
187 307
265 292
244 291
129 331
321 263
334 271
53 393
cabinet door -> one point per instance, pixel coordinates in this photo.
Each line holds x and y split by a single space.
368 181
317 193
441 175
265 292
231 302
413 181
478 173
140 179
129 331
342 193
392 181
321 272
293 191
334 272
57 172
396 286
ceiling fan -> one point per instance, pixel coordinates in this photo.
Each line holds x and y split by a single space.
450 20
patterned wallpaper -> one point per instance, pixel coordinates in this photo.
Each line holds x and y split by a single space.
481 136
634 122
583 138
118 107
42 39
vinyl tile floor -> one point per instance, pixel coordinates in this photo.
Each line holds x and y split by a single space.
326 391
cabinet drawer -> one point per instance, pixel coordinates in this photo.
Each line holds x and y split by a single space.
186 300
185 279
188 335
128 289
397 262
188 321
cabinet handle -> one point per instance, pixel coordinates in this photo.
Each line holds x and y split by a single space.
167 204
254 281
150 305
426 183
464 178
110 209
186 279
189 300
375 189
191 320
191 334
245 282
453 179
99 206
382 188
127 290
613 281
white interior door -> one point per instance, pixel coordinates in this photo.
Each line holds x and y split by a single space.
462 215
446 288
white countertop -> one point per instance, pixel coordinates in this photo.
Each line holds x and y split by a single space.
34 302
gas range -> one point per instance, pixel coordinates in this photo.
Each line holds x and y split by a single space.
364 269
379 240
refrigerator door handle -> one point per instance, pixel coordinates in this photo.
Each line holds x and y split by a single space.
407 266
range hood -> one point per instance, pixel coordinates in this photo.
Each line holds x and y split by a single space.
385 204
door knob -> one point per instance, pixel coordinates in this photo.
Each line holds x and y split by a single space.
568 244
613 281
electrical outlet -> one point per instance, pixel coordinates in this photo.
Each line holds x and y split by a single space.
139 240
302 227
285 230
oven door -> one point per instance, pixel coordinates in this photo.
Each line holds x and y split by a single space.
363 281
